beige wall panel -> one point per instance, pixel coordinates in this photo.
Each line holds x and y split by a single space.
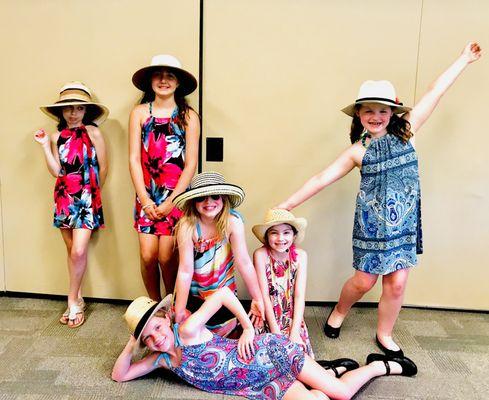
2 264
453 152
276 75
47 43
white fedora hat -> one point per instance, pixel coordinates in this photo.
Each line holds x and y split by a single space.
208 184
186 81
278 216
382 92
76 93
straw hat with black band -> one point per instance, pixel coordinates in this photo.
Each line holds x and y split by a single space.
186 81
382 92
208 184
141 310
278 216
76 93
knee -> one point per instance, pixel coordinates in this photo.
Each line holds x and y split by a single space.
78 254
363 285
148 259
394 289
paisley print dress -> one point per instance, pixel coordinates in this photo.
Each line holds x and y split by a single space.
215 366
77 199
387 232
162 162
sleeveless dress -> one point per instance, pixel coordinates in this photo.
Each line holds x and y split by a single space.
162 162
213 269
77 199
387 232
281 290
215 366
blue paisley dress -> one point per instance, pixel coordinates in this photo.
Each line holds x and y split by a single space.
215 366
387 228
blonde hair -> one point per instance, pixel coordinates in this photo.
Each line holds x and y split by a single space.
190 217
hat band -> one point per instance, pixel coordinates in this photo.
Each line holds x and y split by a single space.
374 99
143 320
205 185
75 94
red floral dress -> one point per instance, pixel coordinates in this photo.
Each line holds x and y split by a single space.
162 161
77 192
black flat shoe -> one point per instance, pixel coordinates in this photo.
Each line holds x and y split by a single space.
329 331
408 366
391 353
346 363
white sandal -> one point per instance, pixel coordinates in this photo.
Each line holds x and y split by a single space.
75 310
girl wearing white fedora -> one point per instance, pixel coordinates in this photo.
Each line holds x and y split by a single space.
211 242
75 156
266 367
163 153
387 226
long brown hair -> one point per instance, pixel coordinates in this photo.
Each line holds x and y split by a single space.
398 126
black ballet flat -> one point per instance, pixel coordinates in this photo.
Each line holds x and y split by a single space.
408 366
388 352
346 363
329 331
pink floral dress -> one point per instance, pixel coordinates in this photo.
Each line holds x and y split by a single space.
162 161
281 276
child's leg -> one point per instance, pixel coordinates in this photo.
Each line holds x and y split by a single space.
297 391
148 250
393 286
353 290
167 257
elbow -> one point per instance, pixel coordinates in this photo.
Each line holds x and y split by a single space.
117 376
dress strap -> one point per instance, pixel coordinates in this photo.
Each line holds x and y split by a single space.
199 231
166 357
178 342
363 138
151 109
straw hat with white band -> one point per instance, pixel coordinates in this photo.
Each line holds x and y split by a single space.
208 184
278 216
141 310
186 81
76 93
382 92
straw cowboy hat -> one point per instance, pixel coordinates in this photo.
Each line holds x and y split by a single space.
76 93
208 184
382 92
186 81
277 216
141 310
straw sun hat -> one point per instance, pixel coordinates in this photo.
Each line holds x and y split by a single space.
382 92
186 81
76 93
277 216
208 184
141 310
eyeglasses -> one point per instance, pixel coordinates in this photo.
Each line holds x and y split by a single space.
200 199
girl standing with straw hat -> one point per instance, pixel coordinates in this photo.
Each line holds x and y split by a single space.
163 154
76 156
387 226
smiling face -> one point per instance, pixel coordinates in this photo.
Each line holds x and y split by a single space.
157 335
209 206
164 82
375 117
73 115
280 237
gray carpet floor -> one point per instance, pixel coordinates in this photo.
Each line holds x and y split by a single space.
40 359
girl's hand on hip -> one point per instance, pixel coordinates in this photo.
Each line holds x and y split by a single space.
472 52
246 347
41 137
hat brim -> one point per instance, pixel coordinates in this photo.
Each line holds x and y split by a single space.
235 193
186 81
165 304
299 224
396 109
100 116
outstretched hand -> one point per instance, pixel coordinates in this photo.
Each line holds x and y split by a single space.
41 137
246 347
472 52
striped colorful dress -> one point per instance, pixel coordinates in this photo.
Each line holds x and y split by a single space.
213 269
387 232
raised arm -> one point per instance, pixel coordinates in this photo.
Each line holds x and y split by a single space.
299 297
98 142
50 151
245 267
336 170
425 106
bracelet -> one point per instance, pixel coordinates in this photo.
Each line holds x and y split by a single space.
147 205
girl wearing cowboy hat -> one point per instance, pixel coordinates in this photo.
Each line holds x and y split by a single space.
211 241
387 227
282 273
75 155
267 366
163 153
